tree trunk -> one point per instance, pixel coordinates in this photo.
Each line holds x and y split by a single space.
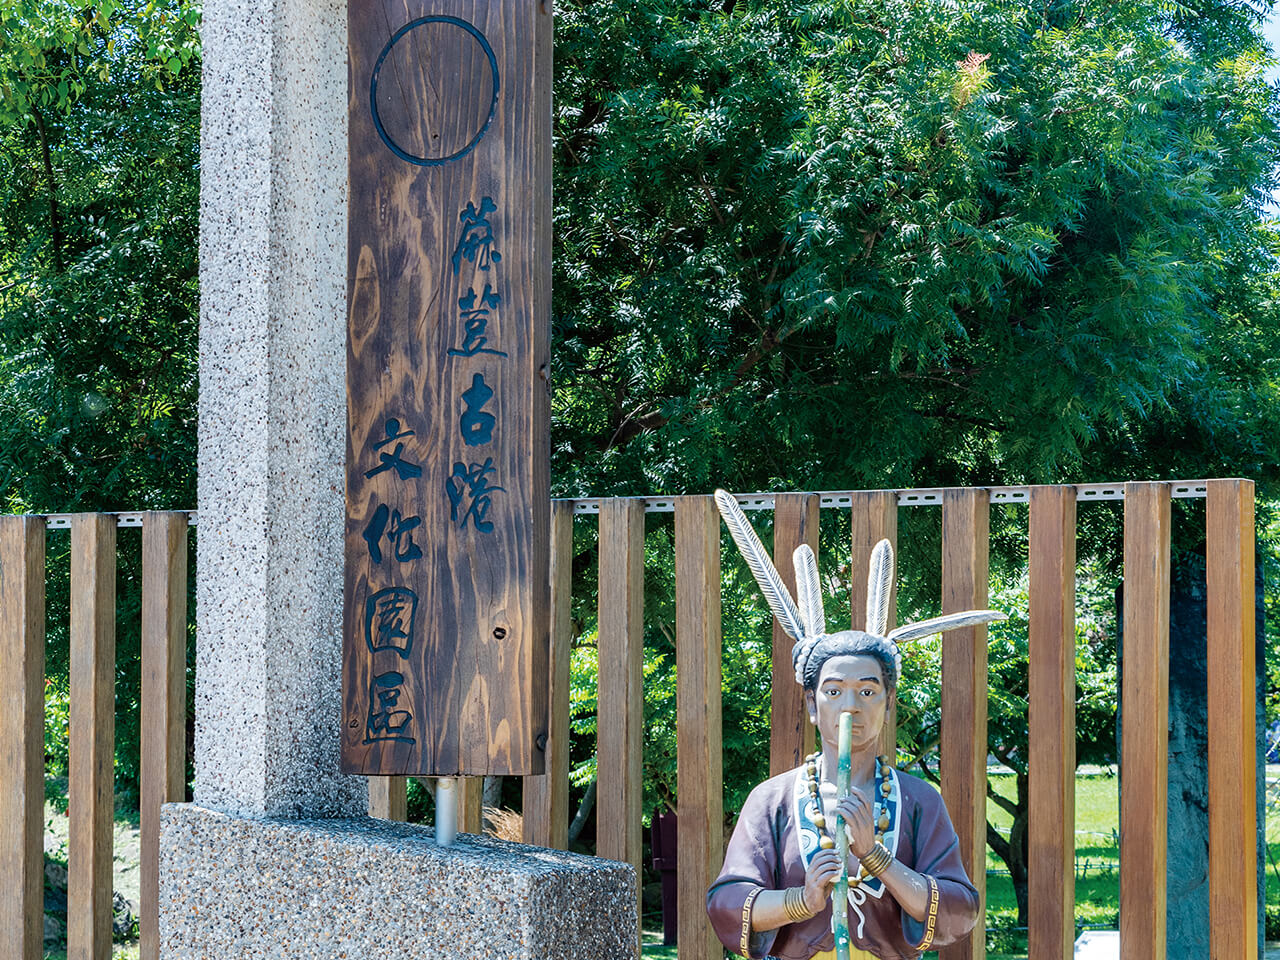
1017 861
55 220
584 811
1014 850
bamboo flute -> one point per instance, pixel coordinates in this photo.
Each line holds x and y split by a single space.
840 895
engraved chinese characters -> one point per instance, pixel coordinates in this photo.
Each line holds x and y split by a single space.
390 613
471 486
445 623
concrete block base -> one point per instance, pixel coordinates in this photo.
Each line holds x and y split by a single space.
254 888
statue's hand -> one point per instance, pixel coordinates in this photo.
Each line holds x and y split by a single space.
823 871
858 813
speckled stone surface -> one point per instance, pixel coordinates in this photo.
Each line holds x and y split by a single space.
250 888
272 409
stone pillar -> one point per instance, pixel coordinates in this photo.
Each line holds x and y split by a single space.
272 410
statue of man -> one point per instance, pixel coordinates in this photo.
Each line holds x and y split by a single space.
908 891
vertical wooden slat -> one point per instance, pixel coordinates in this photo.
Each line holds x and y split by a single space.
22 733
1052 722
699 767
389 798
1233 885
873 517
1144 706
795 521
621 704
546 797
164 702
966 515
471 805
90 792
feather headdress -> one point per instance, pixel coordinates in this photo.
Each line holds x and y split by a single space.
804 620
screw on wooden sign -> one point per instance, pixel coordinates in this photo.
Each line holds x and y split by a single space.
447 450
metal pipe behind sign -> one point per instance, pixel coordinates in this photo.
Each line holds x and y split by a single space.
446 810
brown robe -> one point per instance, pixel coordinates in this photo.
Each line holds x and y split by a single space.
765 851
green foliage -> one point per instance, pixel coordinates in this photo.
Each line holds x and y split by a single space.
98 267
57 724
1016 241
52 51
99 131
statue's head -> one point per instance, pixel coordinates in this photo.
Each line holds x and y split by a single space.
850 643
805 622
849 672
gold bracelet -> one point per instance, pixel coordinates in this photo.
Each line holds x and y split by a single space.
789 904
794 905
881 860
877 860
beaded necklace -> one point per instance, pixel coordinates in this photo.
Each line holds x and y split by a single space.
880 811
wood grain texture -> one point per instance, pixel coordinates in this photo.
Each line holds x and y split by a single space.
620 697
92 748
795 521
699 762
546 797
471 805
1233 838
447 387
966 516
1052 724
873 517
1144 706
164 702
22 541
389 798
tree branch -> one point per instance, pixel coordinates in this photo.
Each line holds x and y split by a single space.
55 221
584 811
1008 806
998 844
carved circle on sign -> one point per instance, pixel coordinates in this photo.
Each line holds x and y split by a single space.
386 137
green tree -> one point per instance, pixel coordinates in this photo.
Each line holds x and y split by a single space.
883 244
99 129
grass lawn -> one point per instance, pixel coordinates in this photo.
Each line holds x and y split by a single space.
1097 864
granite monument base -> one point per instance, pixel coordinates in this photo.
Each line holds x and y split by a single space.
248 888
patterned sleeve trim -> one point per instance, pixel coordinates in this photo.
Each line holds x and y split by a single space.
931 922
745 946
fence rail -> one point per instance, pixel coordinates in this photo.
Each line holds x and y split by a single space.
872 515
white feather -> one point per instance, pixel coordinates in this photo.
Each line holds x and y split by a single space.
762 568
948 621
809 590
879 588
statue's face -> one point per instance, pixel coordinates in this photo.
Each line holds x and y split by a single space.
853 685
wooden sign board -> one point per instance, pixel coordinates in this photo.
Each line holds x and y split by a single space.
449 280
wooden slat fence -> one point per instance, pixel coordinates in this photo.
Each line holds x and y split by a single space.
1052 555
873 514
92 722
